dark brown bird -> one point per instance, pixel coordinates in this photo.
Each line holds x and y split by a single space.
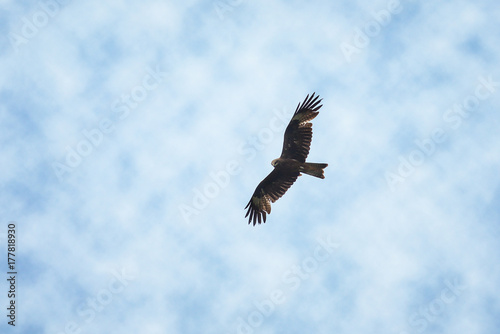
291 164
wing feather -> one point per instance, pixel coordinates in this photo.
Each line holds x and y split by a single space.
298 133
269 191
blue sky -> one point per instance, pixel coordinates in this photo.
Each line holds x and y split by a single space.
134 133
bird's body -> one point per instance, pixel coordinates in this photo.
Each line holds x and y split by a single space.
292 162
289 165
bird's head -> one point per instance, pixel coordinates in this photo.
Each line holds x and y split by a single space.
275 162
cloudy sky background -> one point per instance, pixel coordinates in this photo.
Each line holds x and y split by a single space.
133 133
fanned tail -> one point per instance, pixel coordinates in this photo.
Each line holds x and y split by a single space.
314 169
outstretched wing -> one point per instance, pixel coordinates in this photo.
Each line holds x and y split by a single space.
298 133
269 190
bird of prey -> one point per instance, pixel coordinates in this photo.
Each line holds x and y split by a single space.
292 162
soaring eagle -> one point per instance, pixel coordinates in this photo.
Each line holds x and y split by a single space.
291 164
